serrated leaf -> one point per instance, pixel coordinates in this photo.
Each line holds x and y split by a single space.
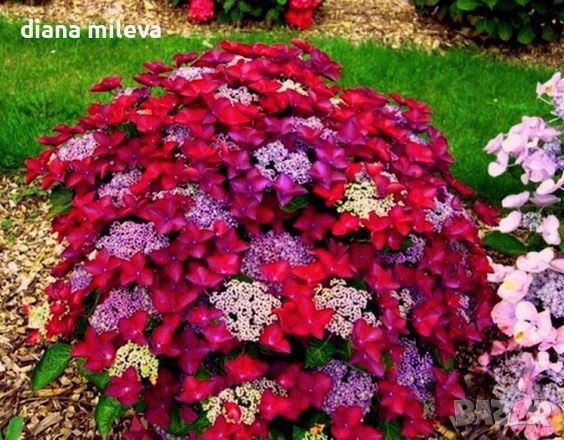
99 380
15 428
505 244
52 364
390 429
107 412
319 352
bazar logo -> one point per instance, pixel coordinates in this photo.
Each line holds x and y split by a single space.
522 410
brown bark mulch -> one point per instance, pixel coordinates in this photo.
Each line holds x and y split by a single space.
391 22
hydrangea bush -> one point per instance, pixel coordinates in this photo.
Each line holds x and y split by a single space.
252 251
298 13
527 365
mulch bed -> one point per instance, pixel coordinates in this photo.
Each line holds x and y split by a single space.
391 22
27 252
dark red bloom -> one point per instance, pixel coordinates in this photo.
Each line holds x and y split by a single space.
125 388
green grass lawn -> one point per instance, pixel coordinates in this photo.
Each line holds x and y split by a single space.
46 82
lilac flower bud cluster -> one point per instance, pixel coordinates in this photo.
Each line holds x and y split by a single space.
127 238
312 122
207 209
445 208
79 279
274 159
271 247
78 148
412 255
191 73
348 303
121 303
507 375
548 288
120 186
177 133
350 387
416 370
240 95
558 102
247 308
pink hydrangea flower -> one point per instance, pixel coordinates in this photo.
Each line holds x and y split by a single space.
531 327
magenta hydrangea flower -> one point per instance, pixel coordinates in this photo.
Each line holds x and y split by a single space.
121 303
350 387
271 247
127 238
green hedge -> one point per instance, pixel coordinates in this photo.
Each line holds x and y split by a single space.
524 21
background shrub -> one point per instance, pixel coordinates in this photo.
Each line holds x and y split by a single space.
524 21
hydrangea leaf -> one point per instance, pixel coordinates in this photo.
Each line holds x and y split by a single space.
298 433
61 201
107 412
178 426
319 352
505 244
390 429
15 428
299 202
52 364
99 380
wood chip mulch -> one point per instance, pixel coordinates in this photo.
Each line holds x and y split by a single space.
391 22
28 250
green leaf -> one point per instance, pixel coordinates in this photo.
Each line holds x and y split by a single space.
391 429
319 352
491 3
467 5
15 428
359 284
298 433
344 350
274 434
61 201
52 364
107 412
388 362
99 380
178 427
505 244
228 4
526 34
549 34
296 203
505 30
201 423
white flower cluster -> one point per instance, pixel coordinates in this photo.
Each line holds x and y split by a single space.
348 303
247 396
362 199
247 308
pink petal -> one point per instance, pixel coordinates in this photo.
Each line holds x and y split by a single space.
511 222
516 200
